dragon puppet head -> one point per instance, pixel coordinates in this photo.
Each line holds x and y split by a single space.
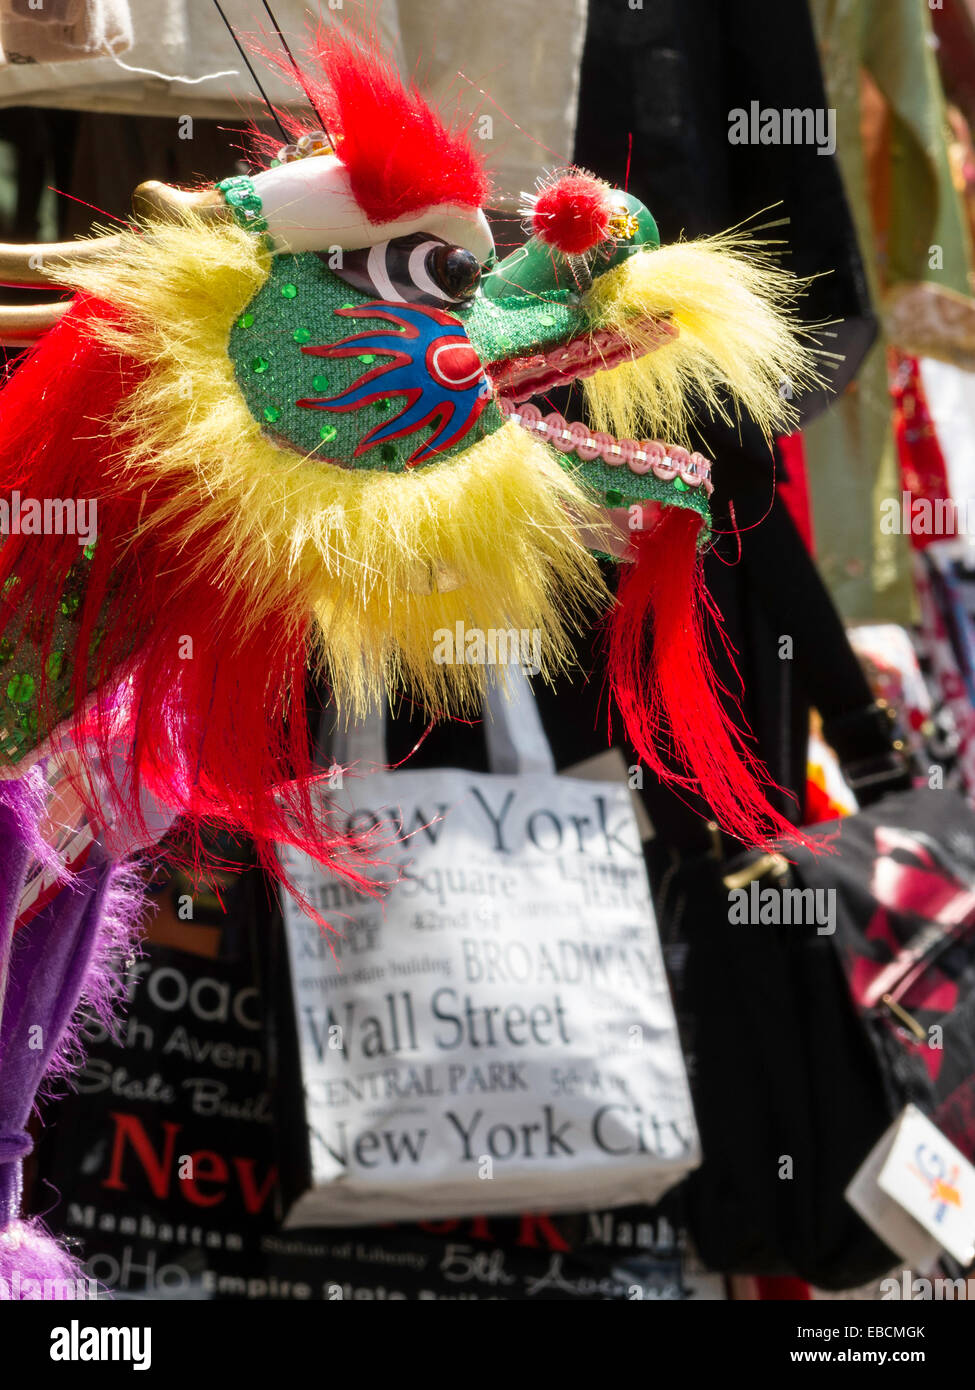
303 403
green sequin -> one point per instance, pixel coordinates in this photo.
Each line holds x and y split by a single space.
614 498
20 688
246 321
387 453
289 291
272 413
301 335
69 604
381 407
367 359
260 365
244 201
681 486
89 551
320 383
55 665
328 433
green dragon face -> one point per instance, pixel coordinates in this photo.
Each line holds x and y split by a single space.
406 353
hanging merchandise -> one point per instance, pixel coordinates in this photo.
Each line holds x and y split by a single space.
882 80
827 794
186 1074
625 1255
63 31
67 952
287 420
863 961
182 69
203 1067
945 577
900 895
888 656
949 398
498 1034
924 510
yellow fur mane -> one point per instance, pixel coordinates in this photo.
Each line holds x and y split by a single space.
737 349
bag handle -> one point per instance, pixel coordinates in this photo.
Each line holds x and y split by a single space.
362 744
516 740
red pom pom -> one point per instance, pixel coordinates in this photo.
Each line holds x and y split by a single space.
573 214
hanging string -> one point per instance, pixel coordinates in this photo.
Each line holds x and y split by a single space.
250 68
299 74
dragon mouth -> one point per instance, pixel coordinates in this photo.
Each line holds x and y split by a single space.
516 380
667 462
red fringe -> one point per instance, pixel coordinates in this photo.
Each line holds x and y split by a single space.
674 698
401 155
213 722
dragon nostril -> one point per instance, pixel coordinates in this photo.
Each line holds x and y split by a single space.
454 270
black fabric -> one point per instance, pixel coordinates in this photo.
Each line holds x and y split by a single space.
789 1087
793 1060
781 1074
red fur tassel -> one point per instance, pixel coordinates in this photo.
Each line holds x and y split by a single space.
573 214
672 697
401 155
213 723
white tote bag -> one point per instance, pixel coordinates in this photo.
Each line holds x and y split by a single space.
496 1034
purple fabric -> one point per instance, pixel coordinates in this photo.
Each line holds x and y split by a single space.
48 962
34 1265
119 911
68 953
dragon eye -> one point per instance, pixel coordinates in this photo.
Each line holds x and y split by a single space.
415 269
455 270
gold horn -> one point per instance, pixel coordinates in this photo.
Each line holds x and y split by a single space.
32 264
155 199
22 323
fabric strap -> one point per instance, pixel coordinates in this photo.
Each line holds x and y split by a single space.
516 741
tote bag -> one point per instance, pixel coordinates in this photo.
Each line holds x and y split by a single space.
496 1034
